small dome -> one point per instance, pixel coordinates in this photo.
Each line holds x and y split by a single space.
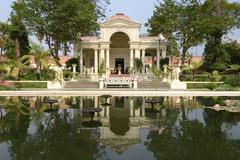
120 16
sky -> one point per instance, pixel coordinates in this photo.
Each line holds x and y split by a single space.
137 10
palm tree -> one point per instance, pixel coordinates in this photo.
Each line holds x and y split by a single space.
18 65
40 58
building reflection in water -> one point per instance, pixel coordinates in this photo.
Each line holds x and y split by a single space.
123 119
128 123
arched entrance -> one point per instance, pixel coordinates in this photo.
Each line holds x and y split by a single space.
119 53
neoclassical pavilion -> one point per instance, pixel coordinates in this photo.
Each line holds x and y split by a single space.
118 45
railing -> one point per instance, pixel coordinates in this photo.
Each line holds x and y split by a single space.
121 82
88 70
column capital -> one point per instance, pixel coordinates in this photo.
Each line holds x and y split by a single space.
134 43
105 44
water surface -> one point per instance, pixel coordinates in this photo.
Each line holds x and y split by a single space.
176 128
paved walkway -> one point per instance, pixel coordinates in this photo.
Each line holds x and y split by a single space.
118 92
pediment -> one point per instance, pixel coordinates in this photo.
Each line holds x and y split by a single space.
120 23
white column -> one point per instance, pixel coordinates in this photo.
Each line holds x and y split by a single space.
143 107
137 53
96 102
107 59
81 60
158 58
96 61
102 56
131 58
131 108
107 111
164 50
81 105
143 61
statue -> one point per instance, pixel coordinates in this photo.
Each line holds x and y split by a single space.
165 74
74 68
74 71
119 69
176 73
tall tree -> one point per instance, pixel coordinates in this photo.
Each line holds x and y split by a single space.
222 16
58 21
178 20
40 58
3 36
17 32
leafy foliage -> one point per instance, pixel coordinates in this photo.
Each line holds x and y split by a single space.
216 77
18 43
178 21
138 64
218 23
47 19
102 68
72 61
233 81
156 71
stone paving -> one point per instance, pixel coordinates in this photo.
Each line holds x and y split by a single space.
118 92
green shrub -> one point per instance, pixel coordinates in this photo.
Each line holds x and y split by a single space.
9 77
196 77
67 73
6 88
29 75
155 71
226 87
210 86
216 77
47 75
102 68
138 64
233 81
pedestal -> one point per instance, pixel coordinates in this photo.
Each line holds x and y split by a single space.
101 83
178 85
135 83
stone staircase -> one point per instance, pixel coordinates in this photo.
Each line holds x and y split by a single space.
141 85
81 85
153 85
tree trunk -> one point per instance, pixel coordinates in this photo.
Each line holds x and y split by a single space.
17 48
56 49
65 48
218 7
184 117
48 40
1 51
184 51
19 74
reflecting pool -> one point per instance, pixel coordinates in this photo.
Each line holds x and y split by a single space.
131 128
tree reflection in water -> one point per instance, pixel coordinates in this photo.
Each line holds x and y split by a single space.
172 132
191 139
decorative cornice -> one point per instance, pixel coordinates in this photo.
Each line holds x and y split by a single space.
120 23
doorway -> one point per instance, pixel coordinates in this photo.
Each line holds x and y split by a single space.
119 64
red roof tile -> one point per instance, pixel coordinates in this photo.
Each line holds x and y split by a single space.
119 16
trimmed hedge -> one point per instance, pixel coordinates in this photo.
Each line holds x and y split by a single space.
7 88
196 77
210 86
31 84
